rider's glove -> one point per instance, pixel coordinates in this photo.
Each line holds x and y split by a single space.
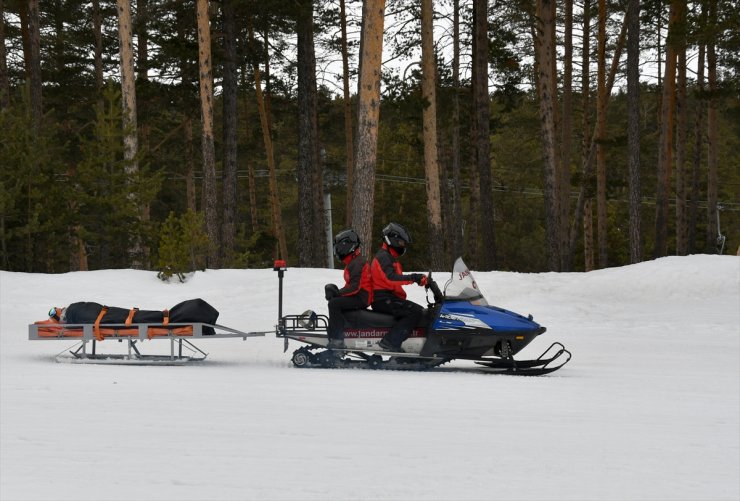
331 291
424 281
417 278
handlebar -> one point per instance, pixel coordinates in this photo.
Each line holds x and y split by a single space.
431 284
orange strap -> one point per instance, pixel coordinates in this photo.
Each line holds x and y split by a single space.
96 328
166 317
131 313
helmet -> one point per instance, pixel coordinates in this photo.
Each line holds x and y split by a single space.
345 243
397 237
59 314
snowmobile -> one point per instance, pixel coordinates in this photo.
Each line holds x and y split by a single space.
457 324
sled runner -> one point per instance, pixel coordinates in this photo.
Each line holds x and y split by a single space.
457 324
193 319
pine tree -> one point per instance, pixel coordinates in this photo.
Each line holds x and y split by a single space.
183 245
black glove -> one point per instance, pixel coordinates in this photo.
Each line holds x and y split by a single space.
417 277
331 291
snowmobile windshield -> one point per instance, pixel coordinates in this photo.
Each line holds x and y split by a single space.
462 286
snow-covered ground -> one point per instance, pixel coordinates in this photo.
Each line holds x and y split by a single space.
648 408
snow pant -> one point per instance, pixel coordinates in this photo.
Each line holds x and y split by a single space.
337 307
406 313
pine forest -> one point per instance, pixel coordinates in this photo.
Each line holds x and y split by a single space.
523 135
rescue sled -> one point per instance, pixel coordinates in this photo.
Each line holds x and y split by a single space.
91 324
457 324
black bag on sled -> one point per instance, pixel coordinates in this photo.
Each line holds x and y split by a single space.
192 310
195 310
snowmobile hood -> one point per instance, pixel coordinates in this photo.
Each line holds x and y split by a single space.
466 315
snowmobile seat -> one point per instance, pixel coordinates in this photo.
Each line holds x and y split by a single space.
357 319
368 318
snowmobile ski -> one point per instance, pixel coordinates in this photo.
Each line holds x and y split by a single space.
536 367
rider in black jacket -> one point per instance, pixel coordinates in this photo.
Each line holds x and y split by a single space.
357 291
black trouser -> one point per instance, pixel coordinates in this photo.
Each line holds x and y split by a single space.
337 307
406 313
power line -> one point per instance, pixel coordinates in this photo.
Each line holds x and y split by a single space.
339 179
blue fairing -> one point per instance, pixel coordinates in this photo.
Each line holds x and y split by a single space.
463 315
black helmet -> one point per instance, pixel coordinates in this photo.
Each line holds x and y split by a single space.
345 243
397 237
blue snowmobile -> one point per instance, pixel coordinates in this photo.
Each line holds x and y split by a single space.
457 324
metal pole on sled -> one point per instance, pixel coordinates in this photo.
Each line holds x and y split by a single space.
329 237
280 266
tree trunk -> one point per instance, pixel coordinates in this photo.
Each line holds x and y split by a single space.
588 236
251 183
128 103
142 35
4 83
311 251
454 235
34 64
665 142
277 220
368 114
567 134
190 165
471 231
209 154
3 244
57 47
659 31
188 77
25 37
474 220
98 50
230 126
252 197
693 206
601 99
585 145
587 166
681 235
545 64
633 130
348 139
429 120
267 94
712 135
78 255
142 65
142 70
483 140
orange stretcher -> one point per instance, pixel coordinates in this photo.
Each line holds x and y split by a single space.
179 335
54 329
